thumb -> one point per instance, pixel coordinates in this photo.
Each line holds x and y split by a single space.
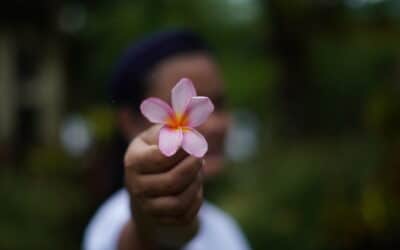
150 135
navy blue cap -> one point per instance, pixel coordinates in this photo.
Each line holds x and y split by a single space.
127 85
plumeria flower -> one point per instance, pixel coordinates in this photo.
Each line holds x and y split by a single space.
187 112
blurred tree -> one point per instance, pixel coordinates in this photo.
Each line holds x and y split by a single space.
296 91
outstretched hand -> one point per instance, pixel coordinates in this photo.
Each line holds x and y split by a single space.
166 192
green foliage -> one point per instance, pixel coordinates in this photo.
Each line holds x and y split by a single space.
41 212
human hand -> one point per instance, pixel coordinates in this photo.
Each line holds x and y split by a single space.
166 192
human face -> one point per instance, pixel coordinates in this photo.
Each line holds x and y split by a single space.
204 72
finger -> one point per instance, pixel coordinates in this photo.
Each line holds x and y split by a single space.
194 209
173 206
150 135
188 216
148 159
170 183
154 162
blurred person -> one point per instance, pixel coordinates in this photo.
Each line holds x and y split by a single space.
161 205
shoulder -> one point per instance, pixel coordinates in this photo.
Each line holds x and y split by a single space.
104 228
218 230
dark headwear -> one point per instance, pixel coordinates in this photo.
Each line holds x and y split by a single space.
127 86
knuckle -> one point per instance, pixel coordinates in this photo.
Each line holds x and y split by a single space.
195 167
157 159
194 162
176 205
132 163
171 182
154 208
137 189
128 160
180 207
130 155
198 163
180 175
173 207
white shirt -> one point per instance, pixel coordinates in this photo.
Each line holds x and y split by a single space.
217 229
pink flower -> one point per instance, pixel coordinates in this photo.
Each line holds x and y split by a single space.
188 111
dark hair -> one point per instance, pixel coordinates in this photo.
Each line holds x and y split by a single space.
128 83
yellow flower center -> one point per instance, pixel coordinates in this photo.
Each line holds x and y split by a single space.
177 121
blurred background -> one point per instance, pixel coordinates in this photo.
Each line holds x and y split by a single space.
314 87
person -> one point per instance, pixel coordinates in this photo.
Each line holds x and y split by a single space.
161 205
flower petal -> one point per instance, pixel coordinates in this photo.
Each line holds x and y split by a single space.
181 95
199 109
194 143
156 110
169 140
